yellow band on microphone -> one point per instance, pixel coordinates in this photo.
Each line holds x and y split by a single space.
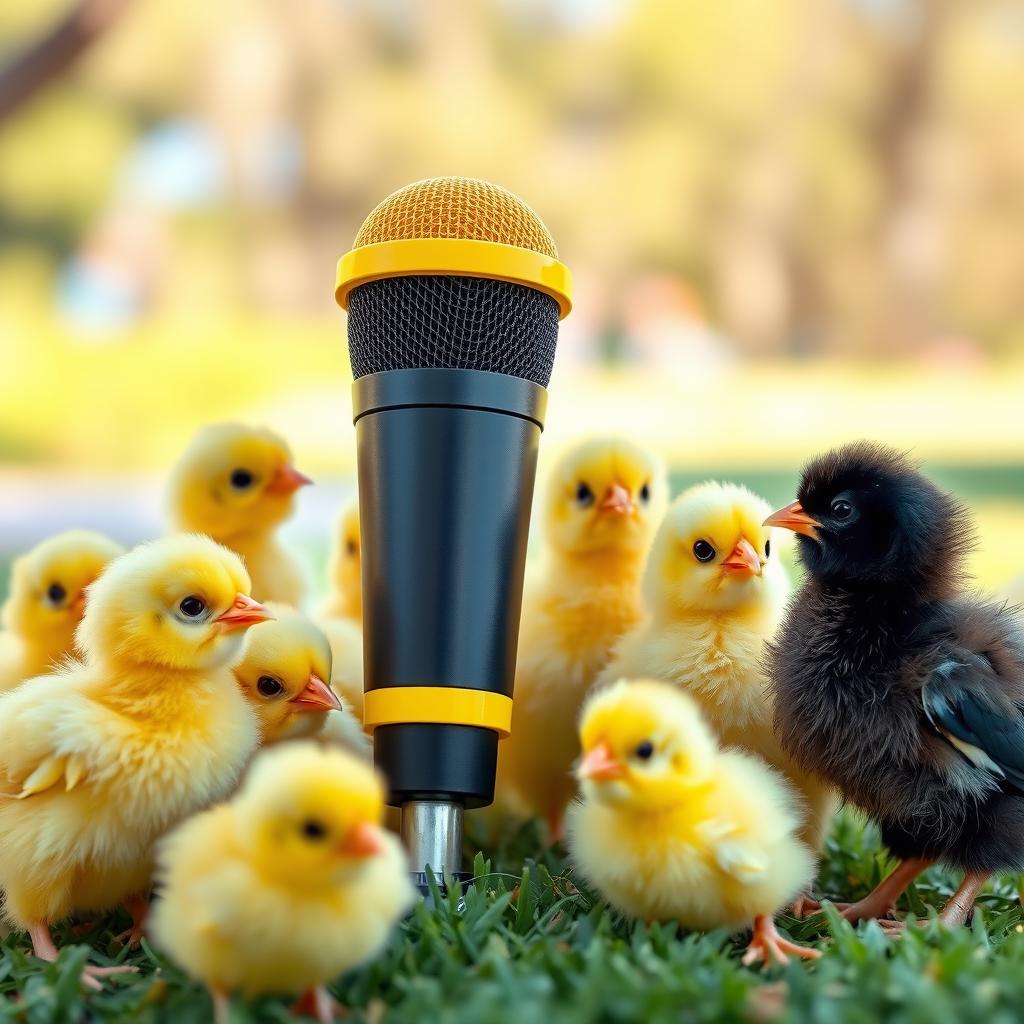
443 705
465 257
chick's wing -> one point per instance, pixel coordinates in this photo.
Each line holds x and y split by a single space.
44 738
964 701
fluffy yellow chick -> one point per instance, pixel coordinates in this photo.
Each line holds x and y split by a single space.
345 599
237 484
715 592
47 600
287 886
285 673
603 503
670 828
99 759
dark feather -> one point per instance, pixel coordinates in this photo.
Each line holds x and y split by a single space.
966 697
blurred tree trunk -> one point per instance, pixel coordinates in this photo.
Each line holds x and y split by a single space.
767 286
908 315
25 75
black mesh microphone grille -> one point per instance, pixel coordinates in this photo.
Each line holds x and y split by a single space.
467 323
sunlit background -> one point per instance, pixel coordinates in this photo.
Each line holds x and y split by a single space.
791 223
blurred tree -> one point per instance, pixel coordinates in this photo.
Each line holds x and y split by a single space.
824 176
23 76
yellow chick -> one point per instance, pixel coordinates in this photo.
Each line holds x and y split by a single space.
287 886
603 503
285 674
346 640
715 592
236 484
670 828
46 602
345 599
100 758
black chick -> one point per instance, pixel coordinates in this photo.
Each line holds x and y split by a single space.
893 685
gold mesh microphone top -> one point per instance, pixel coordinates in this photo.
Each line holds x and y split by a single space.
459 227
457 208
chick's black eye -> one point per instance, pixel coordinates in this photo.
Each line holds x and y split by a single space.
313 829
55 593
268 686
352 548
584 496
192 606
767 548
703 551
644 751
241 478
645 493
841 509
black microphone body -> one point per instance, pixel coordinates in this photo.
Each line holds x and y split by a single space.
447 460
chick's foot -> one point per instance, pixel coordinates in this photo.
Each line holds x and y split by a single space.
956 911
804 905
769 946
138 907
43 947
92 972
878 904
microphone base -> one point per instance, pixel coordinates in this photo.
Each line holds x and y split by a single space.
432 834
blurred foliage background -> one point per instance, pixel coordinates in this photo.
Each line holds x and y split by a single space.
791 224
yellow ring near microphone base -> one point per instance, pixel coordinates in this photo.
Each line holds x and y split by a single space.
468 257
440 705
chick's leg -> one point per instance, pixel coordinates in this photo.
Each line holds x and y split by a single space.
42 941
43 947
555 819
317 1003
961 903
879 902
768 945
138 907
221 1005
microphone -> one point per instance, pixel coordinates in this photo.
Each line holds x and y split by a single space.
454 294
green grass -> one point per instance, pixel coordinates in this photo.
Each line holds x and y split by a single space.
532 944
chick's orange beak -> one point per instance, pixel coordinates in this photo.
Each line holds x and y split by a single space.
244 611
285 480
617 500
77 606
744 560
362 841
793 517
316 696
600 764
